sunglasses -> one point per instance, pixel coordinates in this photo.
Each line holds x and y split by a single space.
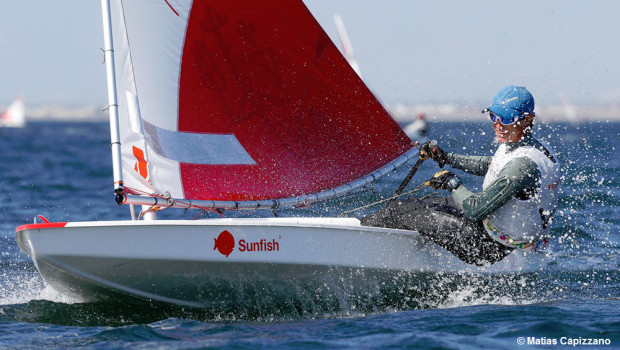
508 120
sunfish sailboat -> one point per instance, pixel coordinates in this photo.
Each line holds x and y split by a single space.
15 115
232 104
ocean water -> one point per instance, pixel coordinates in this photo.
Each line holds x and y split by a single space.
63 171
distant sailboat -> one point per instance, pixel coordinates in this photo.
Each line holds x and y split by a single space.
15 115
417 129
228 105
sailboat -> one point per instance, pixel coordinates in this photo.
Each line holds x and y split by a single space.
418 128
15 115
230 105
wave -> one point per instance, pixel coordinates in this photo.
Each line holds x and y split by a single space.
28 299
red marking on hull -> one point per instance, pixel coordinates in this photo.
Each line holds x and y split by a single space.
41 226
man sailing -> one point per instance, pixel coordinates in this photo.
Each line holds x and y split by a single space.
519 197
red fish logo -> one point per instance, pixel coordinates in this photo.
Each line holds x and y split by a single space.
224 243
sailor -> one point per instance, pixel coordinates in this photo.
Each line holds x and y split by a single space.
516 206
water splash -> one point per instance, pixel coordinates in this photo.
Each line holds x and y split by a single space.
25 285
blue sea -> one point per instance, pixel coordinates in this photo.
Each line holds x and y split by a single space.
62 170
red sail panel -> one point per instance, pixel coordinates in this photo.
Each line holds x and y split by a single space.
266 72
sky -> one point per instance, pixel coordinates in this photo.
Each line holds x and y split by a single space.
412 52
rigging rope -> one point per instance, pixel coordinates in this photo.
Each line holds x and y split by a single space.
190 205
382 201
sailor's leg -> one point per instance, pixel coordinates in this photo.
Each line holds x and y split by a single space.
438 219
409 213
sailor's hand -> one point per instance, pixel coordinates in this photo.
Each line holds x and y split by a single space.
429 149
444 180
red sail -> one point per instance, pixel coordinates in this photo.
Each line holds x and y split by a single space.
266 72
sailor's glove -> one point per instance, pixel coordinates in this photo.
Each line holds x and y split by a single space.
444 180
429 149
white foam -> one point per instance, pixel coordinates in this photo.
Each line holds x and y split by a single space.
470 296
21 289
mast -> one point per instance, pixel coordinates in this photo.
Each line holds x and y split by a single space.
115 142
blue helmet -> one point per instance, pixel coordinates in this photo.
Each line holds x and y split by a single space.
510 104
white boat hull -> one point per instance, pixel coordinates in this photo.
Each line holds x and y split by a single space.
189 262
